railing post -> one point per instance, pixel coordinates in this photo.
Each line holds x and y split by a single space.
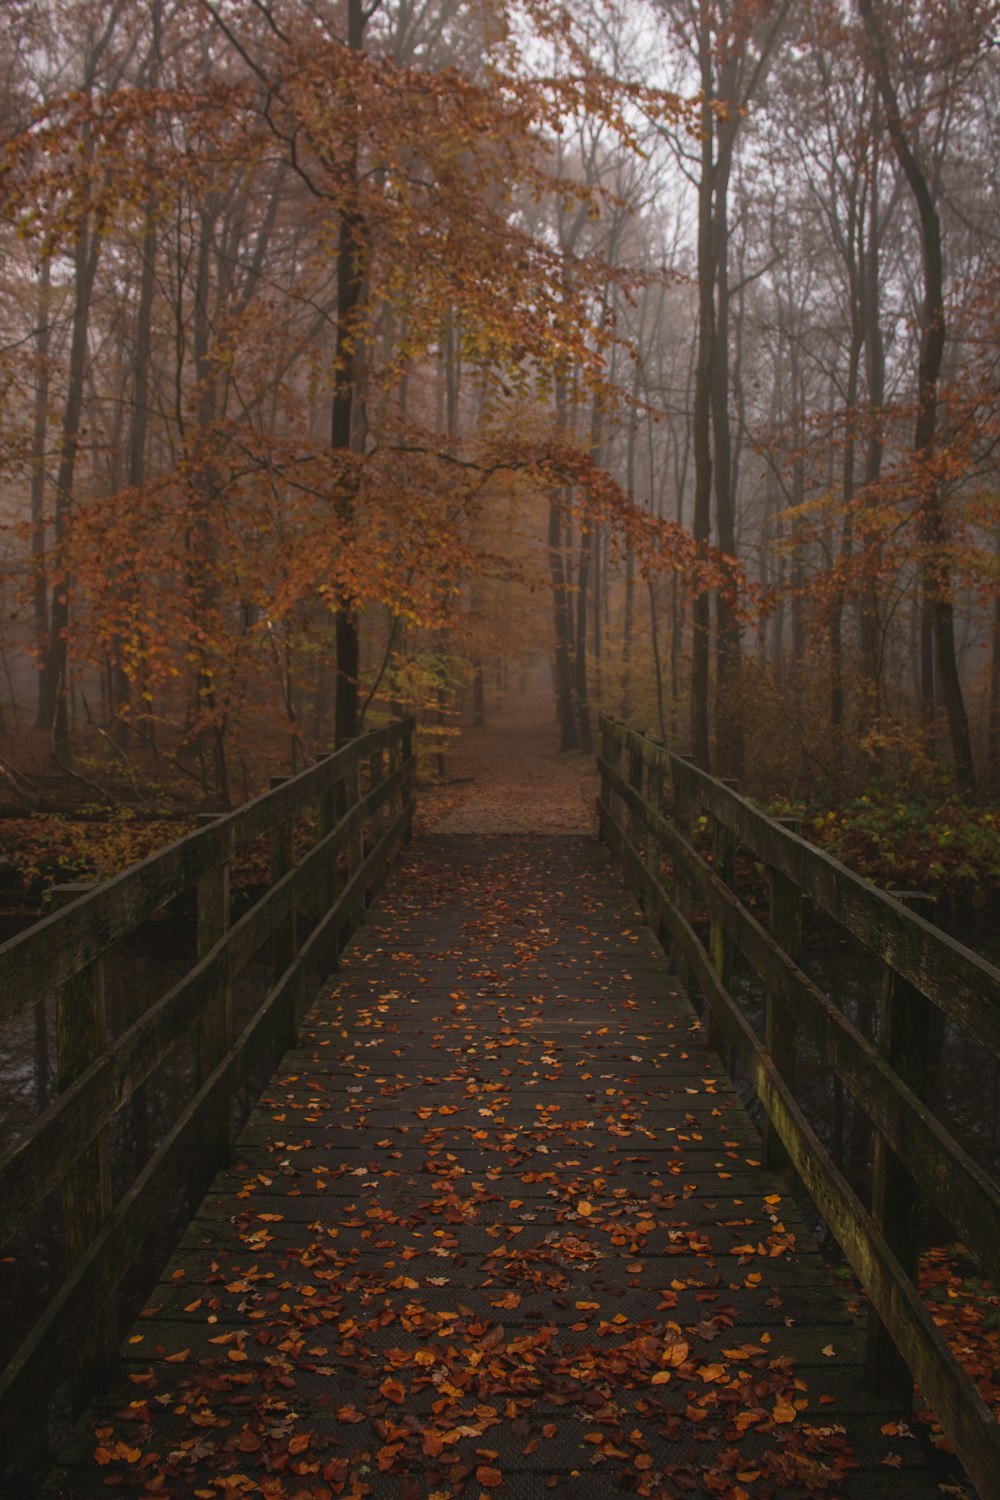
286 939
780 1028
720 944
683 816
338 867
634 822
376 775
356 835
394 806
905 1033
407 790
356 840
654 847
214 1035
616 829
604 793
326 817
81 1037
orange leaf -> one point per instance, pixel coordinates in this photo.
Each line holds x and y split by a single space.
387 1456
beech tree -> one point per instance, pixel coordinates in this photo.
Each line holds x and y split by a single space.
333 331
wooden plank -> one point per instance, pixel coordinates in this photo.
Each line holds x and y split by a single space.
285 943
34 1166
467 1210
51 951
959 1188
215 1022
34 1368
948 1388
904 1041
938 1163
81 1037
784 923
964 985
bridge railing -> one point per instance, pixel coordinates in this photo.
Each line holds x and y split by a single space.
354 807
651 803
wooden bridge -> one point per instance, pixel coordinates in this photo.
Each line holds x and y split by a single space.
499 1224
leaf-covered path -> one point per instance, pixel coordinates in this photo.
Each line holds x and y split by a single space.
498 1227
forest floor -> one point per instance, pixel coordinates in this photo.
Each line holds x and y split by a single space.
510 777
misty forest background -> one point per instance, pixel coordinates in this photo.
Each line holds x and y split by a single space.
355 357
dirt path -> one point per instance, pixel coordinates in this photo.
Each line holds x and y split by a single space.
521 782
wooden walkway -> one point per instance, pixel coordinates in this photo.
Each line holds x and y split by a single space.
498 1227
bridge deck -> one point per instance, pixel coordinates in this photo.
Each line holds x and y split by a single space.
498 1227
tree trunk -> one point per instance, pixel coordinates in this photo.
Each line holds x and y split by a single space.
562 627
702 414
580 690
43 335
478 695
583 577
120 682
871 635
993 739
729 748
343 428
562 612
55 686
938 617
846 539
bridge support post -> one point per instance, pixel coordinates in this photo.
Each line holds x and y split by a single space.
326 819
214 1035
394 806
613 832
654 846
604 791
286 939
720 944
634 822
81 1036
781 1033
376 775
683 816
406 792
905 1032
355 839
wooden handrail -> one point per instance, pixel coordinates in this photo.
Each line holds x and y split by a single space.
924 968
361 820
